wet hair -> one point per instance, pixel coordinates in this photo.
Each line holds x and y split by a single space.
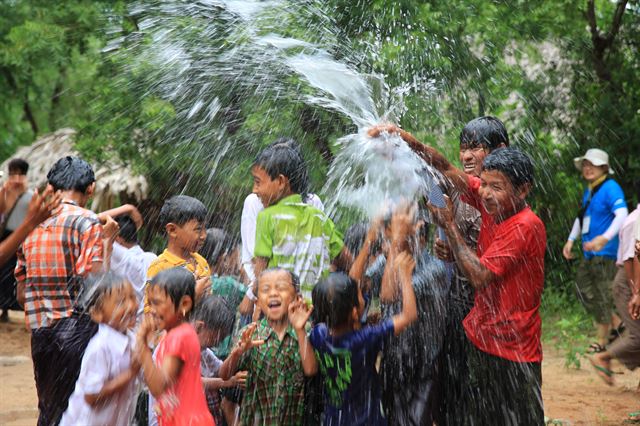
97 286
283 157
486 131
513 163
355 236
18 165
127 228
215 313
176 282
217 243
180 209
295 281
71 173
334 298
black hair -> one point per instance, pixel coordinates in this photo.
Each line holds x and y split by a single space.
180 209
177 282
215 313
71 173
486 131
127 228
218 243
18 165
295 281
283 157
97 286
334 298
513 163
355 236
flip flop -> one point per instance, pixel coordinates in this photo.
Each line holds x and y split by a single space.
604 373
595 348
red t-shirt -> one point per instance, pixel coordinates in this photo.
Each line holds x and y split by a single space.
183 403
505 318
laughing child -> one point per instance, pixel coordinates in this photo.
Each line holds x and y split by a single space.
174 377
279 358
106 388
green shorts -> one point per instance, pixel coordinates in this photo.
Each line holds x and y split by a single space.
593 284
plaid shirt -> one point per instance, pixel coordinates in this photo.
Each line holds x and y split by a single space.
53 260
275 386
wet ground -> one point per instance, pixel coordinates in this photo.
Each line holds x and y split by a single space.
572 397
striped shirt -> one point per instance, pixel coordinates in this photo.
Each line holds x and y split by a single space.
53 260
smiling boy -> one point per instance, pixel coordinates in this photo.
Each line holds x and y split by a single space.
183 219
504 324
279 358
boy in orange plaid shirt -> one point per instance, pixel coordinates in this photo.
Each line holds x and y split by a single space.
52 264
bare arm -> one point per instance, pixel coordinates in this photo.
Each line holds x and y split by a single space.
467 260
113 386
129 209
404 269
429 154
299 314
402 223
361 261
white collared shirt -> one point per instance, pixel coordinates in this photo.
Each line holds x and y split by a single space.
132 264
252 206
106 357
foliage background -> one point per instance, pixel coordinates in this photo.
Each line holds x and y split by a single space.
562 74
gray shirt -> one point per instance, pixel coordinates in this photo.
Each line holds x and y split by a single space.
19 211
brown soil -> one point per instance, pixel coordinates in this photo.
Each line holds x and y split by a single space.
572 397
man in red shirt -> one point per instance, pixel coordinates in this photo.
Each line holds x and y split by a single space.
508 274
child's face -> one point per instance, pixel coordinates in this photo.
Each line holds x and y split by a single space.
118 308
163 309
471 157
190 236
268 190
499 197
275 293
208 337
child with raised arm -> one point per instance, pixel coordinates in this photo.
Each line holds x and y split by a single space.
347 354
279 359
174 377
106 388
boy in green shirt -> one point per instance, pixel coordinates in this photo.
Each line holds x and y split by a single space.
289 233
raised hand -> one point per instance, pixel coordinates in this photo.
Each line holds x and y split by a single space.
376 130
404 264
246 341
442 216
110 227
299 314
203 286
442 250
41 206
403 221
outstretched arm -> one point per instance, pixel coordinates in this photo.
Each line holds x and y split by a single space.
404 265
429 154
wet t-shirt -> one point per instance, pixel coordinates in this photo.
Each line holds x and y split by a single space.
505 318
184 402
351 382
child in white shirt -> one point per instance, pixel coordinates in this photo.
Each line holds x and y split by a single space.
105 392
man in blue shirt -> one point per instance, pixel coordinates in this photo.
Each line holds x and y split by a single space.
602 214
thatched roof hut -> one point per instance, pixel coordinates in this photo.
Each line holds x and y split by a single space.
115 182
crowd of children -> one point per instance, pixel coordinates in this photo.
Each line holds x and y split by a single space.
291 325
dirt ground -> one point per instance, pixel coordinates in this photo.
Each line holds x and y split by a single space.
571 397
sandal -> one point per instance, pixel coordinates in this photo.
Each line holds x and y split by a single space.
595 348
604 373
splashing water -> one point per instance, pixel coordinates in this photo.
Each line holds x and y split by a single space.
255 55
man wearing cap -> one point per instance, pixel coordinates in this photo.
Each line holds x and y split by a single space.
598 222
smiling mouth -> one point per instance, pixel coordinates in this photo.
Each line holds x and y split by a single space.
274 304
469 167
